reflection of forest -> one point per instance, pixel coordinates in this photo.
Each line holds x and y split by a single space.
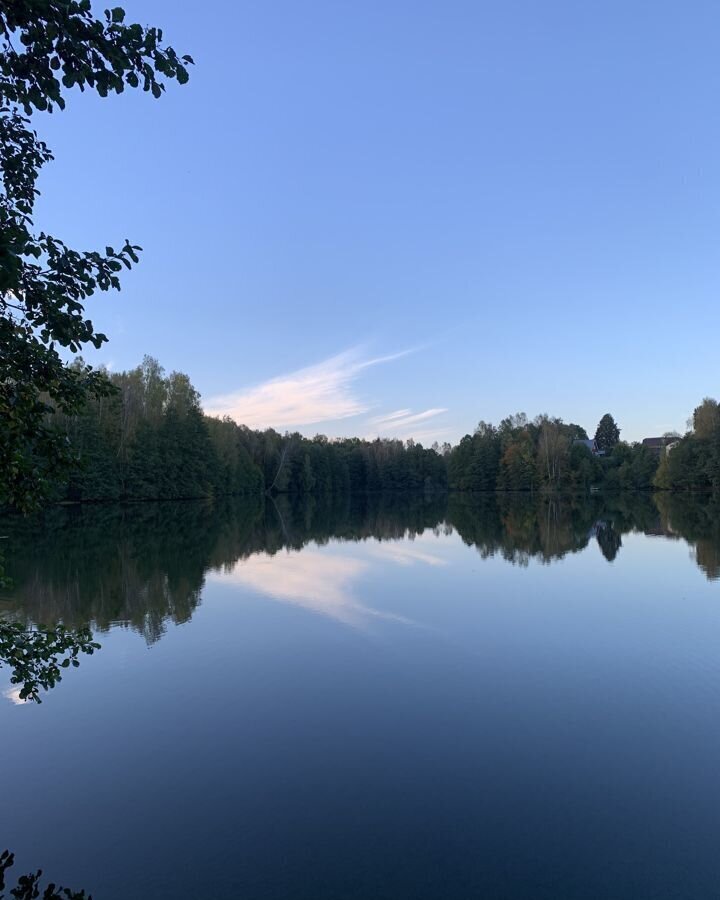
143 564
697 520
521 527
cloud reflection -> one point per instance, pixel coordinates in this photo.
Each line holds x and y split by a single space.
404 554
312 579
13 695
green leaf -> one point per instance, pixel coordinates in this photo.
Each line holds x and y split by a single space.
62 44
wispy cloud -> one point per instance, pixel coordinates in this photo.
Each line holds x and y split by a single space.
400 420
428 437
403 424
324 392
390 417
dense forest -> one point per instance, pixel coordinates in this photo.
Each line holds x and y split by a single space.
546 453
150 440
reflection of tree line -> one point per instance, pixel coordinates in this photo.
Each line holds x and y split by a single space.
517 528
698 522
138 565
144 564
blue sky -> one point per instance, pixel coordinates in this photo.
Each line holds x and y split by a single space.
401 218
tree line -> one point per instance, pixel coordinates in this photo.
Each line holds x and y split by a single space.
149 439
548 454
694 464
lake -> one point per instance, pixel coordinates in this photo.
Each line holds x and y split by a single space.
372 697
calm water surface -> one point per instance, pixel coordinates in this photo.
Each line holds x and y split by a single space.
373 699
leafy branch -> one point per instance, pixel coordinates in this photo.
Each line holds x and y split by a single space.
38 656
47 48
28 887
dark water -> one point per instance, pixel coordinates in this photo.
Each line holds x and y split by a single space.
373 699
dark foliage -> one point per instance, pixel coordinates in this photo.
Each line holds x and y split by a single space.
693 462
545 454
37 655
150 440
607 433
28 886
47 47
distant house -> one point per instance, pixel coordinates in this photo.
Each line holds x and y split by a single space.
591 445
658 445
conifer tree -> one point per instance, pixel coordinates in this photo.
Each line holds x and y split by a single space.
607 434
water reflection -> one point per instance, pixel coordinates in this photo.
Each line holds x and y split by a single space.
309 579
143 566
13 695
406 555
697 522
521 528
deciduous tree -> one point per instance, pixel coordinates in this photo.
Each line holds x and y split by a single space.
47 48
706 419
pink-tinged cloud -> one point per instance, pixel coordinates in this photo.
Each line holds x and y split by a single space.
391 417
403 424
400 420
320 393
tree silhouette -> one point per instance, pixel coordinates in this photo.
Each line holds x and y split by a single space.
36 656
28 887
46 49
607 434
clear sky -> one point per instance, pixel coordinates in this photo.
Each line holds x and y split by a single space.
400 218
